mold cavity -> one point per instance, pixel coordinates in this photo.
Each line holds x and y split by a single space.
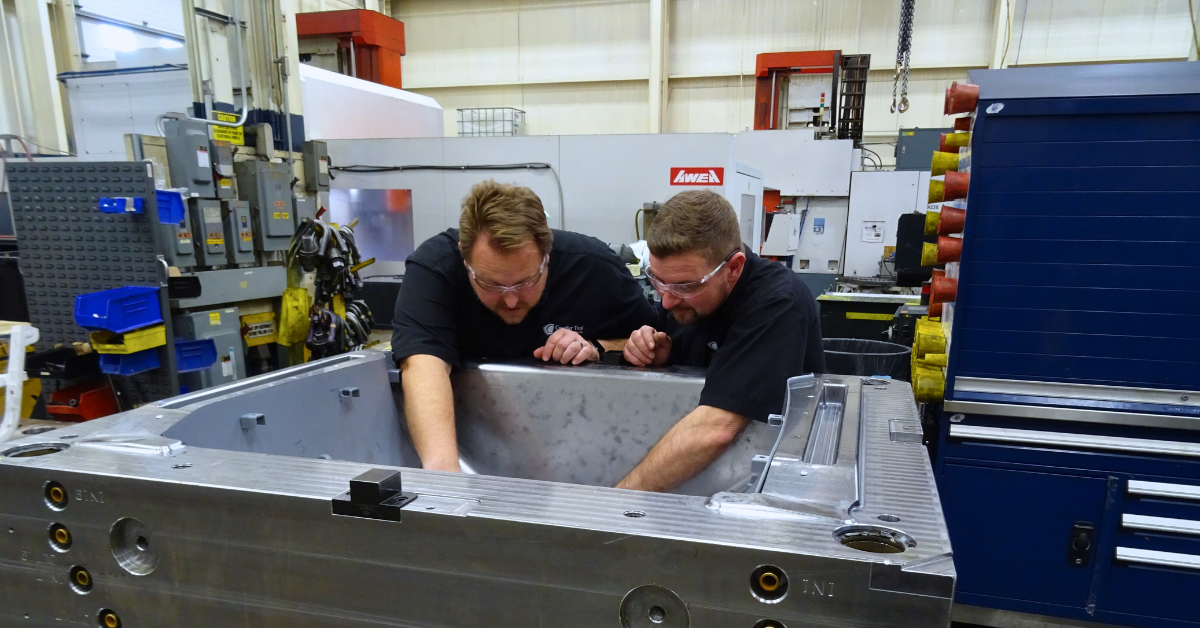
36 449
768 584
876 539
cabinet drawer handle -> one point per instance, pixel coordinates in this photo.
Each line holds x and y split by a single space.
1076 441
1160 524
1160 489
1162 559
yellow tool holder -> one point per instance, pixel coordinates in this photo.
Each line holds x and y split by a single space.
130 341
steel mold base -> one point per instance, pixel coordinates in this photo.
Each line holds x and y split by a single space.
247 538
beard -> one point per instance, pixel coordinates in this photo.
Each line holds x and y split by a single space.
512 317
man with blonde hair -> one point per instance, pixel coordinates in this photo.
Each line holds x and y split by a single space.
504 285
751 322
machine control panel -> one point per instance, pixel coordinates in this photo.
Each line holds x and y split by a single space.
209 238
267 187
189 157
239 232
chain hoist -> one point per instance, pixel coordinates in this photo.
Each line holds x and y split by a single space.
903 52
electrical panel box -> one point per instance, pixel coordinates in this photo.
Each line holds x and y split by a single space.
179 252
305 207
239 233
224 327
189 157
222 158
268 188
209 238
316 166
915 147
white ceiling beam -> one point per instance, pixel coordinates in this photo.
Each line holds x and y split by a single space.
659 37
41 73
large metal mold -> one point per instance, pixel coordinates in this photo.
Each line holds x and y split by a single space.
183 512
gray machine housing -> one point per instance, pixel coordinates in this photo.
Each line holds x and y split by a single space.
267 187
209 236
224 327
219 505
178 249
189 156
239 232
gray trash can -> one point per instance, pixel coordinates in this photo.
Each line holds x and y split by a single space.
852 356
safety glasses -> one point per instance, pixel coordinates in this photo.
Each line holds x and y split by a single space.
488 286
690 288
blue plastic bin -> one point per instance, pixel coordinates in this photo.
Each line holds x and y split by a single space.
170 206
118 310
195 355
129 363
121 205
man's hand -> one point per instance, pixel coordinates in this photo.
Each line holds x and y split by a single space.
648 347
567 347
429 410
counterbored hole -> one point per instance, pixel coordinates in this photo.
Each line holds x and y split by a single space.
769 623
36 449
60 537
768 584
888 518
56 496
109 619
129 540
656 614
80 580
875 539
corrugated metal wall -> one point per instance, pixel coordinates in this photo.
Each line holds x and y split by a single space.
582 66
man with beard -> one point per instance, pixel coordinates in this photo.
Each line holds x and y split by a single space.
752 323
502 286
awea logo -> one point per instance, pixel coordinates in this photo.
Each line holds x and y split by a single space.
697 176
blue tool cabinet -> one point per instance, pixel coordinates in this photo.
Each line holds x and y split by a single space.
1068 452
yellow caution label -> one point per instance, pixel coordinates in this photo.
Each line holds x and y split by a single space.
243 285
214 241
286 215
247 236
214 318
867 316
225 183
231 134
277 214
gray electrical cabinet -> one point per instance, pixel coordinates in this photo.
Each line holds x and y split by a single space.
316 166
189 157
239 234
305 208
209 237
179 252
224 327
268 188
222 158
915 147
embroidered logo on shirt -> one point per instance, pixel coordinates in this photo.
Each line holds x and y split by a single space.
712 345
550 328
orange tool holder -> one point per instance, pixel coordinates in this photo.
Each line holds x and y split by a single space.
377 41
769 65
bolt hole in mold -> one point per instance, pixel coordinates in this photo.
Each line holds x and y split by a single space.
108 619
35 449
874 539
130 543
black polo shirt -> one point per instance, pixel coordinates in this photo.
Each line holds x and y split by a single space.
769 329
588 289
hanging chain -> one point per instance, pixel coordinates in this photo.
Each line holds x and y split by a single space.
903 54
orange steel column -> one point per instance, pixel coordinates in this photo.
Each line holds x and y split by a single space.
378 40
767 67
